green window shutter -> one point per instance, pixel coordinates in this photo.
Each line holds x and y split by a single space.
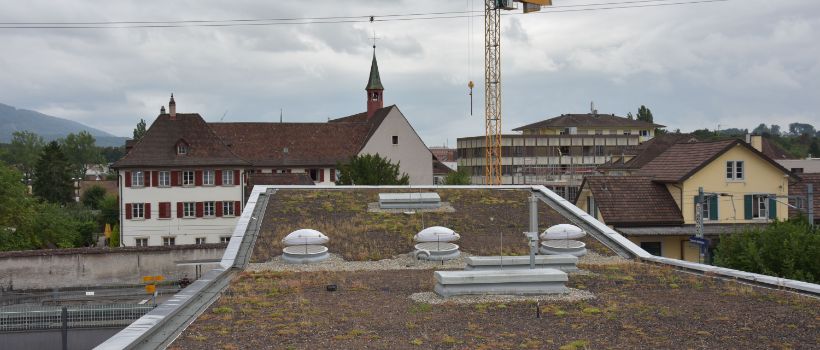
713 207
747 205
772 209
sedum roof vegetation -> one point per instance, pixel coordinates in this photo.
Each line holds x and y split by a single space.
636 305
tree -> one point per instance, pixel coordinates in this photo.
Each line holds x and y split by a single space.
15 202
114 241
139 131
762 129
630 116
371 169
644 114
458 177
814 149
775 130
789 249
81 152
53 175
801 129
109 210
24 151
92 197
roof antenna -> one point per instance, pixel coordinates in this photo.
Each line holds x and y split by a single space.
223 115
281 111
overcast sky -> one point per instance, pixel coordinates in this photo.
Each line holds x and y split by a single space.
736 63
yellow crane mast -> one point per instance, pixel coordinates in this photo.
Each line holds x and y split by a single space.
492 81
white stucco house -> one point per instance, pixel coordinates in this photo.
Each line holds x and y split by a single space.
185 181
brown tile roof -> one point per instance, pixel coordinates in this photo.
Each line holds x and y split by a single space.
649 150
799 189
682 160
588 120
110 186
631 201
773 151
279 179
158 147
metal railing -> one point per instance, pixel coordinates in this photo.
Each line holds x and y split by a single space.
24 318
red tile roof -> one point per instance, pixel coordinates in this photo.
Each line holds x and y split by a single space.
157 148
588 120
631 201
649 150
800 189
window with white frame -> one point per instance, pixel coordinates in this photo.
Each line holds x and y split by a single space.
760 206
734 170
169 241
188 178
188 209
208 209
141 242
645 133
138 210
182 148
228 208
224 239
227 177
164 179
208 177
200 240
138 179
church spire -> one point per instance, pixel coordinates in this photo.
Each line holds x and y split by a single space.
375 90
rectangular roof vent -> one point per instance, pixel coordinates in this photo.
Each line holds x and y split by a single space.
425 200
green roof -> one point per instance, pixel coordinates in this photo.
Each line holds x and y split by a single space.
375 82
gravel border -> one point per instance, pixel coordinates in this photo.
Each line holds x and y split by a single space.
572 296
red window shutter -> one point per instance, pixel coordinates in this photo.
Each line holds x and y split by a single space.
199 209
164 210
176 179
128 211
155 178
218 209
179 209
237 208
321 175
218 177
236 178
198 177
128 179
332 175
147 210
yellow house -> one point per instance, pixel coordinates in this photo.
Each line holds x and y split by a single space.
656 207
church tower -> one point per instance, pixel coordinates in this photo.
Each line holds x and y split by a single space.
375 90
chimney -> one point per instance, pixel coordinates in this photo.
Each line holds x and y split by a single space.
172 107
756 141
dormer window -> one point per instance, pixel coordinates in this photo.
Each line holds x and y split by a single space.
182 148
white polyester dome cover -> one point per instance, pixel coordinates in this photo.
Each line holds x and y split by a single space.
563 231
436 234
305 236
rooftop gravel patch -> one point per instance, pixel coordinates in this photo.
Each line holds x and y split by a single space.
479 215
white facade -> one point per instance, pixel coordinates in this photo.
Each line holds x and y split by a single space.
396 140
201 225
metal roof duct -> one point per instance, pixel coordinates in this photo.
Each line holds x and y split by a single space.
423 200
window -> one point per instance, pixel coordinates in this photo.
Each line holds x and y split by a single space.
709 208
168 241
182 148
224 239
599 132
209 209
645 133
200 240
734 170
653 248
141 242
164 178
760 206
138 179
188 210
188 178
798 203
314 174
591 208
138 210
599 151
227 177
627 132
395 140
563 150
208 177
228 208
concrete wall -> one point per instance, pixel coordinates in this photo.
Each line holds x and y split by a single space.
45 269
184 230
416 160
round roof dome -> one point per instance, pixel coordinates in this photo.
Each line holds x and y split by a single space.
305 236
436 234
563 231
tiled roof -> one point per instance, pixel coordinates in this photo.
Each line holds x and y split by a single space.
279 179
588 120
799 189
773 151
631 201
157 148
649 150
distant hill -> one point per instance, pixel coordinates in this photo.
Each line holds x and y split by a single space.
50 128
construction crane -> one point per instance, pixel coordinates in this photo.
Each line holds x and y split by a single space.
492 80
